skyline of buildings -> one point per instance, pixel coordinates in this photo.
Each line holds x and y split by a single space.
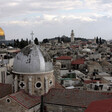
55 75
55 56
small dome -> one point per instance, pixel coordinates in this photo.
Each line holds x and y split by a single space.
58 64
32 60
105 63
86 50
1 32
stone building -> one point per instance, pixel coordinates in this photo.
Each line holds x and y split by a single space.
35 88
20 102
5 89
71 100
33 77
76 63
3 74
65 62
5 77
93 65
33 71
57 72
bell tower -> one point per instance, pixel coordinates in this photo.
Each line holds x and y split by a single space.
72 36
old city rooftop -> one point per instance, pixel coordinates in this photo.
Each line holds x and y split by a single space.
72 97
25 99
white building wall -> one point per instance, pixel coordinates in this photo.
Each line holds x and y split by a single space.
2 69
8 78
9 62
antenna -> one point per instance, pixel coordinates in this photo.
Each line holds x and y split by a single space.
32 37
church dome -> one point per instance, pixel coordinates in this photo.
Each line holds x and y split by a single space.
32 60
1 32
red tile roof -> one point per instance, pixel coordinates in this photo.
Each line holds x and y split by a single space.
90 81
25 99
100 106
72 97
64 58
89 42
74 46
57 85
77 61
83 43
5 89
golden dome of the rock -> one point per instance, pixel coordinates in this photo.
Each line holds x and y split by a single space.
1 32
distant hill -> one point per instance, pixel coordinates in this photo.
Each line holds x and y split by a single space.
63 39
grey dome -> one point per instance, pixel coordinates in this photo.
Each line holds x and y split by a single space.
32 60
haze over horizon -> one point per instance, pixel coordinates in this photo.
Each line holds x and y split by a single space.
52 18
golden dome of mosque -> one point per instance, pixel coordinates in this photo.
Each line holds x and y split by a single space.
1 32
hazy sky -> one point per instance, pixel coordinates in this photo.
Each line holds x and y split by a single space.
50 18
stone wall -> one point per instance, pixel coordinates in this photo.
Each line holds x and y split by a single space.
46 81
9 105
60 108
67 63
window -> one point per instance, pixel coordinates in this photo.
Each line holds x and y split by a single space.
63 66
50 82
22 85
38 85
8 100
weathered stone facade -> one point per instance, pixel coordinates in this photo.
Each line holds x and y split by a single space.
8 104
35 84
11 106
62 108
57 72
65 64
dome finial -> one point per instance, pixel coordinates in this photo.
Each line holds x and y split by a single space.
32 37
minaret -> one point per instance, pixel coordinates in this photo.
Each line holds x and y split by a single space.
72 36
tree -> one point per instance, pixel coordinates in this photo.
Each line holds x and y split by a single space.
100 41
68 53
29 42
59 40
97 40
10 44
26 41
16 43
36 41
45 41
23 43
